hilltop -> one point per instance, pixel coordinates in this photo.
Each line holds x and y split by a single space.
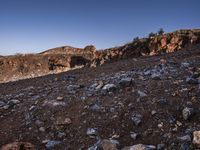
66 58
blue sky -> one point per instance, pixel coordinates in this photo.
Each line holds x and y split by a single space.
30 26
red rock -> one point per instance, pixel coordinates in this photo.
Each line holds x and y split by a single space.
18 146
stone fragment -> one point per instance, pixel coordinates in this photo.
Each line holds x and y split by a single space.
124 82
95 107
137 119
185 138
160 146
59 98
42 129
105 145
92 132
13 102
52 144
187 113
2 103
63 121
109 87
196 138
191 80
142 94
39 123
134 135
185 64
140 147
18 146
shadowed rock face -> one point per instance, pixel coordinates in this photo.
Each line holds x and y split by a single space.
66 58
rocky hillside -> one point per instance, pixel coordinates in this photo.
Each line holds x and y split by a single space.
66 58
144 103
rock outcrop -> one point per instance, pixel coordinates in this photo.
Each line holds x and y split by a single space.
66 58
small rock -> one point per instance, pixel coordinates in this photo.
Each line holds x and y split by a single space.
61 134
140 147
94 85
125 82
195 75
18 146
162 102
6 107
160 125
185 146
31 108
63 121
134 135
137 119
92 132
196 138
13 102
42 129
153 112
179 123
156 76
59 98
99 86
185 64
109 87
67 121
96 146
52 144
190 80
105 145
160 146
185 138
39 123
73 87
2 103
95 107
142 94
109 144
187 113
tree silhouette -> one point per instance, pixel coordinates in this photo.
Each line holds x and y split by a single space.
161 31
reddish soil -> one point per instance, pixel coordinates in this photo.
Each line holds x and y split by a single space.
38 99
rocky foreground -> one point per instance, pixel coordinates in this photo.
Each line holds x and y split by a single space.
145 103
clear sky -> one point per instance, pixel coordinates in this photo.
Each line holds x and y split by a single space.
36 25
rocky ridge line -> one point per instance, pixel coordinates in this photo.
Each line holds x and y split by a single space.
67 58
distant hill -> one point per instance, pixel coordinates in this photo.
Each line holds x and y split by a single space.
65 58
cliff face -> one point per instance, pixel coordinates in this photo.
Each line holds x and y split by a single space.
66 58
51 61
158 44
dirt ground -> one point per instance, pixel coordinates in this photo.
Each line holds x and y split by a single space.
62 108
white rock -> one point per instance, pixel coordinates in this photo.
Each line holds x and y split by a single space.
142 94
92 131
109 87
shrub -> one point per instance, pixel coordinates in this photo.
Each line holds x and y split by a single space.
152 34
136 39
161 31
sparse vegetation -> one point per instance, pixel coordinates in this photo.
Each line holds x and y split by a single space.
136 39
152 34
161 31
